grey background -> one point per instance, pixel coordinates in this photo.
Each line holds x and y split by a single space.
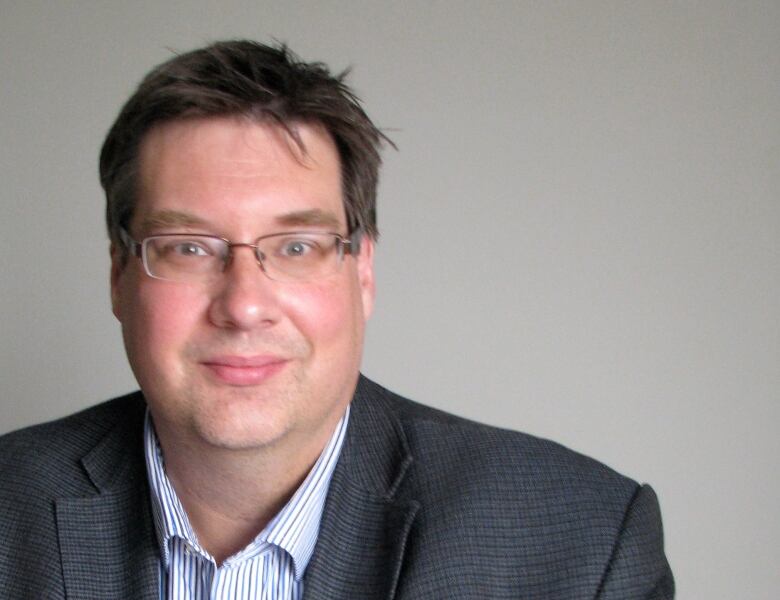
579 231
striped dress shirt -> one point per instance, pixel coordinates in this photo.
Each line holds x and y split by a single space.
271 567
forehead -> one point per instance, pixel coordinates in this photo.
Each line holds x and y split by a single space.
234 165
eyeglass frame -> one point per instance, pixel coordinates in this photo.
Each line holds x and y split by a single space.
346 246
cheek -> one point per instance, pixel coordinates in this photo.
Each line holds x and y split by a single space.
327 314
157 319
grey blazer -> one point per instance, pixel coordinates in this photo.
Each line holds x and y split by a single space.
422 505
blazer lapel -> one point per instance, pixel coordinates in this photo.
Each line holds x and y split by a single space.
364 527
107 542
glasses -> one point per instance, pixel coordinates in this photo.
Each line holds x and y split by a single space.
284 257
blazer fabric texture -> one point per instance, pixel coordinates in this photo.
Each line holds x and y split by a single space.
422 505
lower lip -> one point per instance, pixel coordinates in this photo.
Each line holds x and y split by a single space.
244 375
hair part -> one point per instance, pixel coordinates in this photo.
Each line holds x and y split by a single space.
263 83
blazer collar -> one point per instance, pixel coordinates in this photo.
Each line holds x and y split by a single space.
365 525
107 542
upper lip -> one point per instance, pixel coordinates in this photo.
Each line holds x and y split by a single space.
246 362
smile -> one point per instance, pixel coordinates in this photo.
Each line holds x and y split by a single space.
243 371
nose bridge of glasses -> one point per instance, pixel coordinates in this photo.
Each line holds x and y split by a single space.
258 254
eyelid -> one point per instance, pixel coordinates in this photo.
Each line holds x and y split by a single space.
184 234
298 234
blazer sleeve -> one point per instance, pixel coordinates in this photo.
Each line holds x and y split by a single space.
638 567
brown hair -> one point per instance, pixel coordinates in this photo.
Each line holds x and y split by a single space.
261 82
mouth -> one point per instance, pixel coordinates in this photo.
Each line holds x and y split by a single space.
243 370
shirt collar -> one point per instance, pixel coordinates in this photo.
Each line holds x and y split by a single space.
294 528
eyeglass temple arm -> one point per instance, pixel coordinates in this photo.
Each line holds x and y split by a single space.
352 245
133 246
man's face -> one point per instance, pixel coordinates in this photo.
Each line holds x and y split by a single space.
244 362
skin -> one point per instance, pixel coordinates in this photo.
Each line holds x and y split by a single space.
246 377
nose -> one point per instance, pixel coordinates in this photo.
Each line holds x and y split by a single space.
245 298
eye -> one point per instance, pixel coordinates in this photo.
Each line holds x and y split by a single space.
295 248
187 248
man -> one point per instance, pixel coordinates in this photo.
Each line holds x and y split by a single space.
256 461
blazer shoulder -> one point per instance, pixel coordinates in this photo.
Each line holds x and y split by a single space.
40 454
448 447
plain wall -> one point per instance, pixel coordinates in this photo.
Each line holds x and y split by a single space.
579 229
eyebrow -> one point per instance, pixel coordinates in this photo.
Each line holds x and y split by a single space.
310 218
304 218
170 218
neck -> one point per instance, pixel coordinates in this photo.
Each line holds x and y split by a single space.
231 495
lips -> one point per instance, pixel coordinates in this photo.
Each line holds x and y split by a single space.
243 370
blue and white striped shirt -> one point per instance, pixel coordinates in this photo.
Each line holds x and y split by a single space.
271 567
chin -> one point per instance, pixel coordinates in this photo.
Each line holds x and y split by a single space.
240 433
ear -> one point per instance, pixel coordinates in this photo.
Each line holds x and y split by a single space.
365 273
118 264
